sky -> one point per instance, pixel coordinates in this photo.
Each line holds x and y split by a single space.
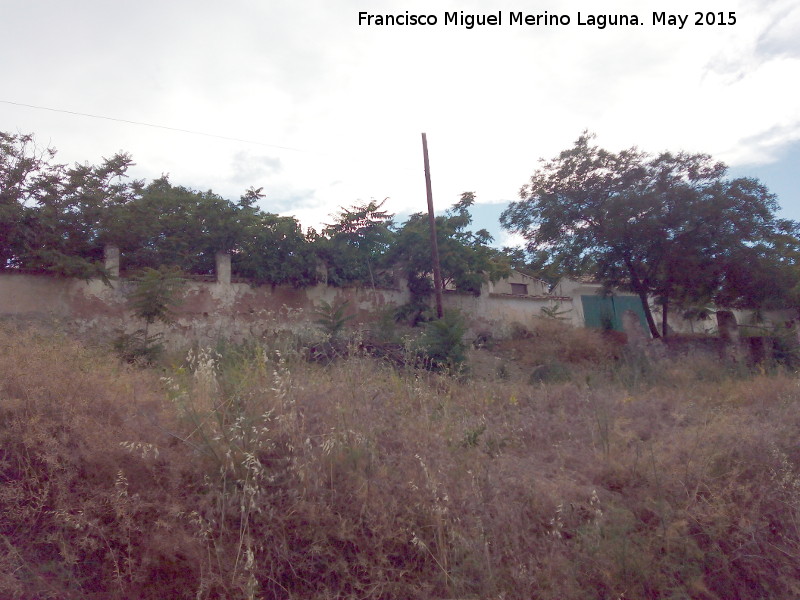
298 98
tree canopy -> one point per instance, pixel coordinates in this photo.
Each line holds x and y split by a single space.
353 247
467 260
53 218
58 219
668 225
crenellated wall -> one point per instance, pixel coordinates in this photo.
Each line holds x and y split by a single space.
213 310
234 310
208 310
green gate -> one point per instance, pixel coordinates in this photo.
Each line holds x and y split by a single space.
605 312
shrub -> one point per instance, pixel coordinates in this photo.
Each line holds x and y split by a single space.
786 348
153 297
442 342
332 317
550 372
384 329
258 474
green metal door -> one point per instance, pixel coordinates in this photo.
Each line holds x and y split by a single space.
605 312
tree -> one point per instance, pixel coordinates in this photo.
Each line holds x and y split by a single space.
165 224
75 214
353 246
153 296
275 251
537 264
332 318
53 217
467 260
58 219
669 226
443 343
22 167
765 275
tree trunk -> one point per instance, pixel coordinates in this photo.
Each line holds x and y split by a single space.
648 315
371 277
637 286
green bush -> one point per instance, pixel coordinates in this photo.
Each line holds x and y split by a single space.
332 317
153 297
785 348
443 343
138 347
551 372
384 329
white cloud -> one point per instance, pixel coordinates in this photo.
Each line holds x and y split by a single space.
250 168
354 100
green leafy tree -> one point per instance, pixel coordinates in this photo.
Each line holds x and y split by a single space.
176 226
467 260
764 275
668 226
275 251
353 247
53 218
57 219
76 215
332 317
443 343
153 296
22 170
539 264
154 293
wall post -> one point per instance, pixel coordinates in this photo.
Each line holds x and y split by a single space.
111 260
223 270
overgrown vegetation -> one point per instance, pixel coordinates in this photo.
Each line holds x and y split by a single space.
333 317
249 472
153 296
670 226
443 345
57 219
556 463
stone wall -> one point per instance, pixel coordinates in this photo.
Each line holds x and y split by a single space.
221 309
497 312
208 311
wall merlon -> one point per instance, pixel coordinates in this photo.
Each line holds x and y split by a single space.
111 260
223 268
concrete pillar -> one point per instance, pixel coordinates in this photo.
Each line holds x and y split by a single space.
223 268
727 326
111 260
730 347
322 273
632 327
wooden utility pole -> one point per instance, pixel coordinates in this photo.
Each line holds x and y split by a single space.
437 271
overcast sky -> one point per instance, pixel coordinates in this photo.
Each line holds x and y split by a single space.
335 109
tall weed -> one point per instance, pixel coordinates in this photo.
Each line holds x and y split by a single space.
249 472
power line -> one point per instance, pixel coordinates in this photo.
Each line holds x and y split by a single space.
180 130
141 123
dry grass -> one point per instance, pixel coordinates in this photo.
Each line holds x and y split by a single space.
257 474
82 516
549 339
